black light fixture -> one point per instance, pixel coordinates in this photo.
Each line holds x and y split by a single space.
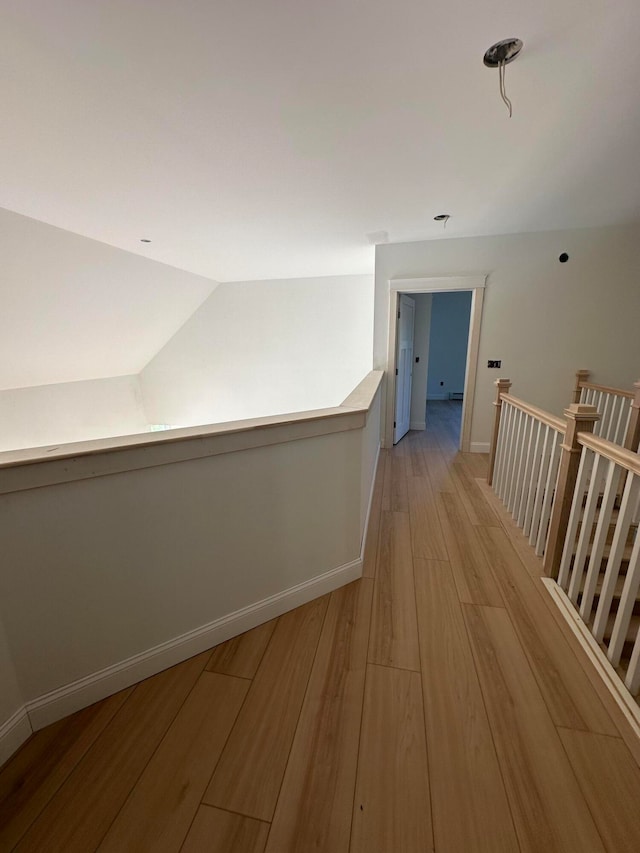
443 217
144 240
500 54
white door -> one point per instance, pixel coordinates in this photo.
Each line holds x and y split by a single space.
404 366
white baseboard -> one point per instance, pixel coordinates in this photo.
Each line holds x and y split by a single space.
480 447
85 691
13 734
418 425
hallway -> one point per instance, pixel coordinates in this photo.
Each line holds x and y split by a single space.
444 420
440 703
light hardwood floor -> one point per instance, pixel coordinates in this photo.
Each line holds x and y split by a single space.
440 703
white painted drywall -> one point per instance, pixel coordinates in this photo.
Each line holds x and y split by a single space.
544 319
450 315
98 570
264 348
71 411
264 139
76 309
421 351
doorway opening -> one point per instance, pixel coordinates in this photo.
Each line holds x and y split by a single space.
434 334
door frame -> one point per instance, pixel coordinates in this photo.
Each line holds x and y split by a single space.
476 284
398 375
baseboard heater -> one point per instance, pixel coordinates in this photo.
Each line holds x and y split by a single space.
456 395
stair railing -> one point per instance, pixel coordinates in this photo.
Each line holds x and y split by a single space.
619 410
576 495
524 463
600 564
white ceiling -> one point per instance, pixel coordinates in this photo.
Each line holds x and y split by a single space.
255 139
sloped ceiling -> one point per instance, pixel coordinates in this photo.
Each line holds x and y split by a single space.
253 140
72 308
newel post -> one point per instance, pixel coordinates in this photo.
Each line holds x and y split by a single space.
632 438
502 387
581 376
580 418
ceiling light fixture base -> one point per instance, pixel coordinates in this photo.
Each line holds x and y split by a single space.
504 51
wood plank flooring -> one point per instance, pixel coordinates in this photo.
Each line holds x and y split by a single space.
436 704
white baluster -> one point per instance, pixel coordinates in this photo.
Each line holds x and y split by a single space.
627 603
526 473
533 479
597 427
504 409
588 516
549 497
606 424
507 412
621 532
545 461
520 462
513 454
618 436
626 420
574 519
600 539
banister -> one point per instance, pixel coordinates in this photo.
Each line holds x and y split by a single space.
619 392
546 417
364 393
620 455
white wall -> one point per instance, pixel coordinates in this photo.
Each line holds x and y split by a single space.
264 347
119 572
76 309
135 559
450 315
71 411
421 339
544 319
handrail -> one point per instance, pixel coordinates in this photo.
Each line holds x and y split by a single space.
545 417
35 467
606 389
364 393
613 452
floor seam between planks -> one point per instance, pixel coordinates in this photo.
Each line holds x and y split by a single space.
304 698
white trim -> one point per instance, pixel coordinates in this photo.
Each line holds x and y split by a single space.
471 367
479 447
13 733
606 671
421 425
476 284
85 691
435 285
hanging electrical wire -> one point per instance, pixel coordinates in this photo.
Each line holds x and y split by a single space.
503 91
499 56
